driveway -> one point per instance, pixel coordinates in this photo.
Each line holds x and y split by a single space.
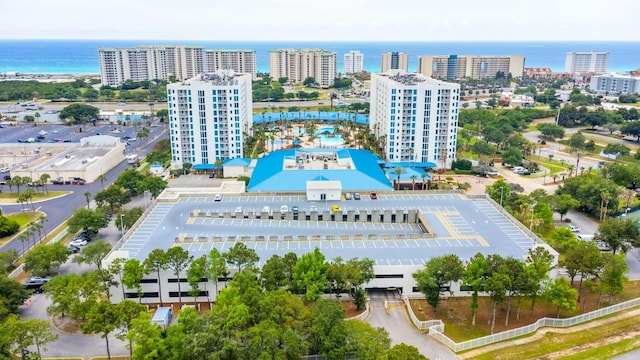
400 329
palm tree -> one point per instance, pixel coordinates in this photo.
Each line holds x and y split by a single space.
423 176
44 178
413 181
87 196
399 171
102 179
24 236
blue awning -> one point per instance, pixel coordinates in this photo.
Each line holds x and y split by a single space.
203 167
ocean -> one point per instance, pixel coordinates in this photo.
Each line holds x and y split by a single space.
80 57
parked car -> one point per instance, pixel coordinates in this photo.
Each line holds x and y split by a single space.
518 169
4 169
78 242
212 176
34 285
373 196
284 209
40 278
295 209
335 208
78 181
238 209
574 228
266 209
73 249
217 197
347 196
356 196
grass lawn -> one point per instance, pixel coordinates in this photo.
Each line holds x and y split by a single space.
601 342
458 325
36 197
24 218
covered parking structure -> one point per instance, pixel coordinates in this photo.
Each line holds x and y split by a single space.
399 232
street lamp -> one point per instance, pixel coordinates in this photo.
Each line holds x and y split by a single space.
146 194
122 225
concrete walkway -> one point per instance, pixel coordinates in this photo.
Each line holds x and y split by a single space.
400 329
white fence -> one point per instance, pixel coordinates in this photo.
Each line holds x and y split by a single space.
436 327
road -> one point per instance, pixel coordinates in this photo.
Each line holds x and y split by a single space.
59 209
400 329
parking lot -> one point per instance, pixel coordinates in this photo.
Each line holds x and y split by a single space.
58 133
461 225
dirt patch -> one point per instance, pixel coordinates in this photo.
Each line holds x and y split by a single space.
350 309
67 325
592 345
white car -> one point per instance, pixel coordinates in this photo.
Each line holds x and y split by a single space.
284 209
218 197
266 209
574 228
238 209
78 242
5 169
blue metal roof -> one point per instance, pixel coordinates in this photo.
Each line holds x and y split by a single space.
270 175
237 162
203 167
410 164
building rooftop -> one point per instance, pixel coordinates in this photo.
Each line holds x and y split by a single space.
456 224
289 170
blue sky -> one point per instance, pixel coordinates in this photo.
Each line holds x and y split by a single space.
318 20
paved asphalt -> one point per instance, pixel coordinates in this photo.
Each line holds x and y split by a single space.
58 210
400 329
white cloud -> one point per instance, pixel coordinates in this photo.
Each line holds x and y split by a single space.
332 20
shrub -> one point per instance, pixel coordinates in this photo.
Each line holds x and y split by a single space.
8 227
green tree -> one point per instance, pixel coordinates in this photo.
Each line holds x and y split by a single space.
364 341
588 189
216 267
86 219
560 293
241 256
29 332
147 338
551 131
79 113
619 234
42 260
613 275
272 274
328 331
127 311
403 351
154 184
156 261
539 263
103 318
512 156
115 196
431 280
474 277
63 291
496 286
195 273
577 141
12 296
616 149
309 275
563 203
133 272
177 260
8 261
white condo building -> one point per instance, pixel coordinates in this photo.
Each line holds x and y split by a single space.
148 63
586 62
417 115
240 61
297 65
208 115
353 62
